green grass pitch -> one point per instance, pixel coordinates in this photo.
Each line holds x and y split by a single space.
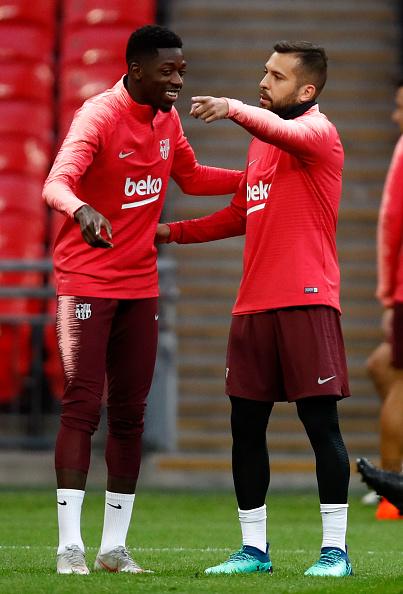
179 534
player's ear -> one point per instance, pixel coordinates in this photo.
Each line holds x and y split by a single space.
135 70
307 93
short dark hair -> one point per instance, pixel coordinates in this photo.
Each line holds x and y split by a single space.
399 83
147 40
313 60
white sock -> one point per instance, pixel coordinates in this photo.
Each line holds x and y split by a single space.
253 526
69 502
334 523
118 512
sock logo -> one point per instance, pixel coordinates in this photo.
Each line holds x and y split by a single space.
62 502
118 506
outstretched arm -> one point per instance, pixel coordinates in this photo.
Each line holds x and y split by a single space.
228 222
306 138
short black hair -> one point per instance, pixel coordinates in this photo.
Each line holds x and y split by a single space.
147 40
313 60
399 83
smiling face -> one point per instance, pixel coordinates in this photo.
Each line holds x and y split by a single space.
157 80
282 86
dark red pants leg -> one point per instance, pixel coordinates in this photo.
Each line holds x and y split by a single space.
83 328
130 365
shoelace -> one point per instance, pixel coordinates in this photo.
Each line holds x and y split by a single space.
327 559
122 554
75 556
240 556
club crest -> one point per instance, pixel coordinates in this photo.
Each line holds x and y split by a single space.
83 311
164 148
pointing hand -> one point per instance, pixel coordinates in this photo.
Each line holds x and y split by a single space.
209 109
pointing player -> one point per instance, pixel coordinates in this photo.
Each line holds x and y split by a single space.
110 179
285 341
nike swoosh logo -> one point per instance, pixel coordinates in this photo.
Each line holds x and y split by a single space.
115 506
140 202
254 208
156 317
62 502
123 155
251 162
326 379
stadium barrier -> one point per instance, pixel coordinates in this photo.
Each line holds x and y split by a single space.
29 421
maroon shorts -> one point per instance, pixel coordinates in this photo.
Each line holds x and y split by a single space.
287 354
397 336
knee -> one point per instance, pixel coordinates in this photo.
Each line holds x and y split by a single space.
372 366
81 415
126 420
378 362
319 425
248 426
312 425
81 408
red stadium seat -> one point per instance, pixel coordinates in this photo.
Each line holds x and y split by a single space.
104 12
52 364
89 46
26 156
25 42
79 83
15 245
27 119
38 12
21 197
15 357
21 237
24 80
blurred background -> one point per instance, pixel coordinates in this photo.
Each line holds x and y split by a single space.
54 54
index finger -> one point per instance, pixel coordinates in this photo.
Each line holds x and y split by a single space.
201 99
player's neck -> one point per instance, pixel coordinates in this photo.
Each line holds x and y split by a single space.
131 89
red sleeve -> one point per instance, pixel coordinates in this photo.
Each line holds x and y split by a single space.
74 157
228 222
390 228
307 136
196 179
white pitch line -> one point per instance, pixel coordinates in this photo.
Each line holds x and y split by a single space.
179 549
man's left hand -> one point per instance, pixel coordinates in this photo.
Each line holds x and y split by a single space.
162 233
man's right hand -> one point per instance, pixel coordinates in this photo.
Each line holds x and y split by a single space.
91 222
162 233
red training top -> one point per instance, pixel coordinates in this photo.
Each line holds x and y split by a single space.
117 157
390 233
287 204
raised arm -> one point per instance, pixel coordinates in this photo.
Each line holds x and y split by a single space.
306 137
196 179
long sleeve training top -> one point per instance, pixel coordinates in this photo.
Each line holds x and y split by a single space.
287 204
118 157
